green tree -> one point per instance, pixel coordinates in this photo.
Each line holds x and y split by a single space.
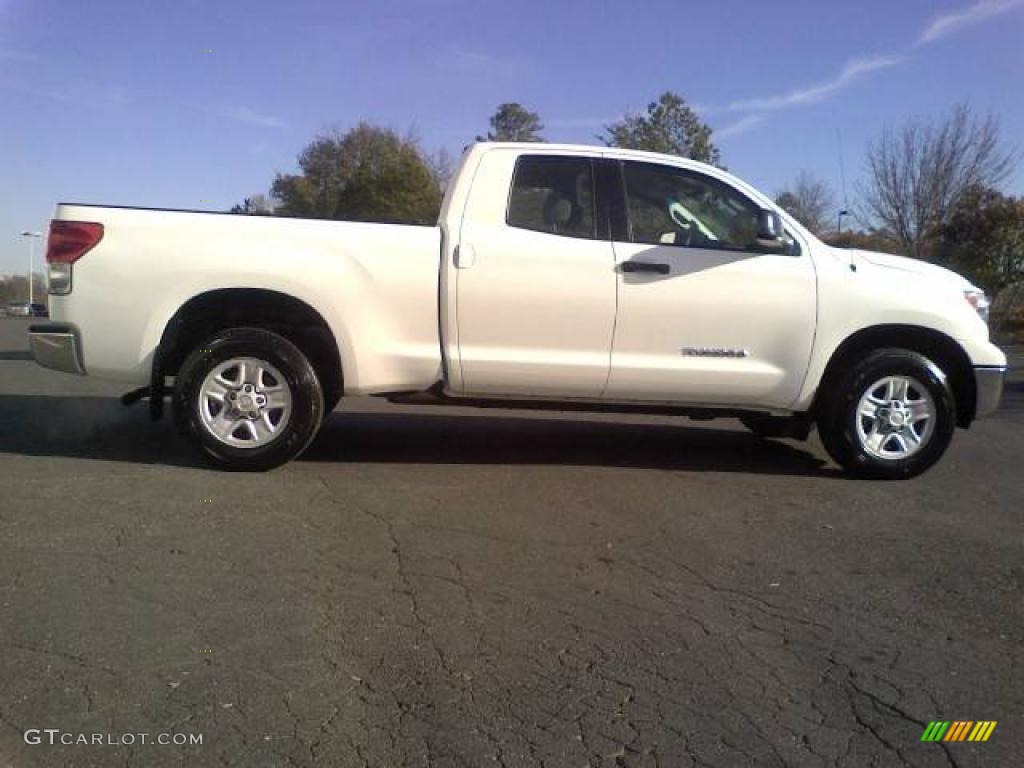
257 205
367 174
670 127
871 240
514 122
983 238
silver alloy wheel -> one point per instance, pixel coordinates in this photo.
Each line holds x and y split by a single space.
895 418
245 402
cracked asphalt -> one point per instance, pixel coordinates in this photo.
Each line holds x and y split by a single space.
432 587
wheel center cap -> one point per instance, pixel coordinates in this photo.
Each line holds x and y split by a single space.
897 418
246 402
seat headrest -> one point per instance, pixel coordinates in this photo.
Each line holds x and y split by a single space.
557 210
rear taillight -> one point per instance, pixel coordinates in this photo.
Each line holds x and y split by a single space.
68 242
71 240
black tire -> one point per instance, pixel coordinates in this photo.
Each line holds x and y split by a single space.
307 401
839 418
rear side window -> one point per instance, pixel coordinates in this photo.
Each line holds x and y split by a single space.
553 195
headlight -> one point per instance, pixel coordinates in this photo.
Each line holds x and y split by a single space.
977 299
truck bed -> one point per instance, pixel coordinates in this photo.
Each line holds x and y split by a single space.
375 285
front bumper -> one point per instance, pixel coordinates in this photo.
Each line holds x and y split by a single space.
988 382
56 346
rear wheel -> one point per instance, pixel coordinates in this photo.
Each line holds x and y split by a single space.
248 399
892 416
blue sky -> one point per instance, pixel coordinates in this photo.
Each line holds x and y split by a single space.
196 104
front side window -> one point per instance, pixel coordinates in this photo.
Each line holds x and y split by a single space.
553 195
675 206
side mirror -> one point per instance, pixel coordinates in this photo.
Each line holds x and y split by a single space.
771 235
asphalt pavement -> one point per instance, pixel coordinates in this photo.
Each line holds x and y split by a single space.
453 587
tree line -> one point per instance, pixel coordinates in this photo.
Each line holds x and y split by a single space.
372 173
932 189
14 288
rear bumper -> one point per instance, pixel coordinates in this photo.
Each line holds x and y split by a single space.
56 346
988 382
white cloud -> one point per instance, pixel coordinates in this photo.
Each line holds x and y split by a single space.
949 23
854 69
851 71
80 92
757 107
742 125
246 115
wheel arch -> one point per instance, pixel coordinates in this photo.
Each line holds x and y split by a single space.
211 311
943 350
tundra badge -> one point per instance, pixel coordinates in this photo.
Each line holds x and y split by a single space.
714 352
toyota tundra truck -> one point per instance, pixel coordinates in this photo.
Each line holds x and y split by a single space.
563 277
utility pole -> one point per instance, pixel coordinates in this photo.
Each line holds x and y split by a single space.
32 236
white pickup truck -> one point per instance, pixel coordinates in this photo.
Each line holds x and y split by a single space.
566 277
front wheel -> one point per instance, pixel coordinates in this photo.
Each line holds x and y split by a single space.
248 399
891 417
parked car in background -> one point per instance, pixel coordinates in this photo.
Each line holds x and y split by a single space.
24 309
19 309
563 277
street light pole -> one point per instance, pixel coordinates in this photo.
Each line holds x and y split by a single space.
32 236
839 226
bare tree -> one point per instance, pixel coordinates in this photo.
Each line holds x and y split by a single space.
918 173
810 201
442 166
15 288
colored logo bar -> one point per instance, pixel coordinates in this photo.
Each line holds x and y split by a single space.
958 730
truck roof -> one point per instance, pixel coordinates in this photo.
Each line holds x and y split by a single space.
597 149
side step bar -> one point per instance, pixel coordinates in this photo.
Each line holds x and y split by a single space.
131 398
156 404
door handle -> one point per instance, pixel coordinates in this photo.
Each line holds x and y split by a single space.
645 266
465 256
